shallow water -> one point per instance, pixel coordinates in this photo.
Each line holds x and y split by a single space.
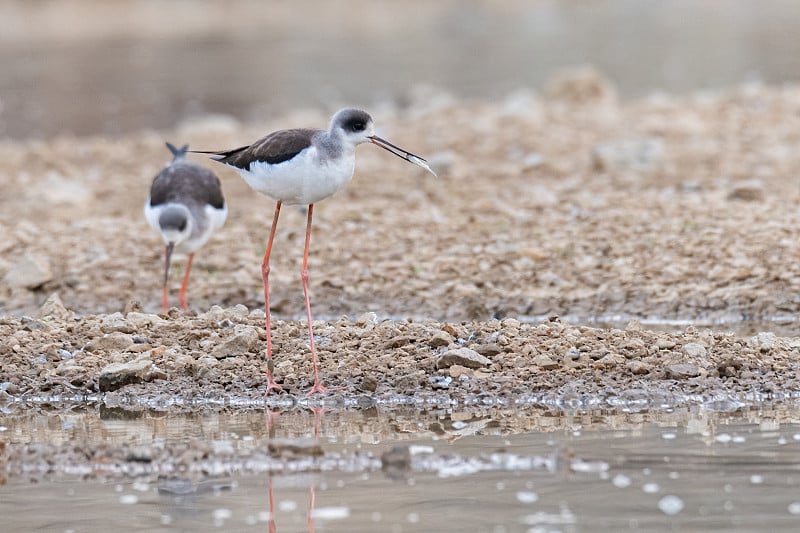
495 470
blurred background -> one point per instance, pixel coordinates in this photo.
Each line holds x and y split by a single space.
93 67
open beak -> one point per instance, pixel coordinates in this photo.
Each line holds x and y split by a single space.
399 152
167 257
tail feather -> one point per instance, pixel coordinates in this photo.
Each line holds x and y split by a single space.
178 152
220 155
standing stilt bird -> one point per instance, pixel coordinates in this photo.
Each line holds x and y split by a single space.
302 167
185 206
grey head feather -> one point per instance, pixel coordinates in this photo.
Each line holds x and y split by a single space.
173 218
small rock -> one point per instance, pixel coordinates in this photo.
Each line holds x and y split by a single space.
397 342
242 342
116 375
116 322
451 330
639 367
633 348
636 154
133 306
596 355
239 310
610 360
765 341
31 324
112 341
749 190
367 318
368 384
29 272
53 307
142 320
439 339
694 349
633 325
462 356
488 350
729 367
682 371
456 371
544 362
665 344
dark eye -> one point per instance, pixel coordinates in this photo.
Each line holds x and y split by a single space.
358 125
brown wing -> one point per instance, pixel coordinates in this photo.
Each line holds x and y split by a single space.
186 182
275 148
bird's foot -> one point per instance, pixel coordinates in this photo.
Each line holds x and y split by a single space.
272 386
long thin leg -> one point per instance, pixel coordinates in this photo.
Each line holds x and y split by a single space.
304 276
265 278
182 293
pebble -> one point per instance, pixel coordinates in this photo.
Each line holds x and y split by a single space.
111 341
544 362
694 349
440 339
665 344
635 154
29 272
639 367
462 356
53 307
397 342
143 320
765 341
116 322
456 371
368 384
488 350
682 371
116 375
748 190
244 341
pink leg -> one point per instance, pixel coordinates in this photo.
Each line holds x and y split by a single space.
304 275
165 290
271 385
182 293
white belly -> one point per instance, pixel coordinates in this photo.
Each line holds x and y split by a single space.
302 179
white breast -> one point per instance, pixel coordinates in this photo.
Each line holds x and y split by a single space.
304 179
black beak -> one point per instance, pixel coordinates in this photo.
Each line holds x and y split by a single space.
167 257
399 152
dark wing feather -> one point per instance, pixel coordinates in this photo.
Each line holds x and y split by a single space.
275 148
187 182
